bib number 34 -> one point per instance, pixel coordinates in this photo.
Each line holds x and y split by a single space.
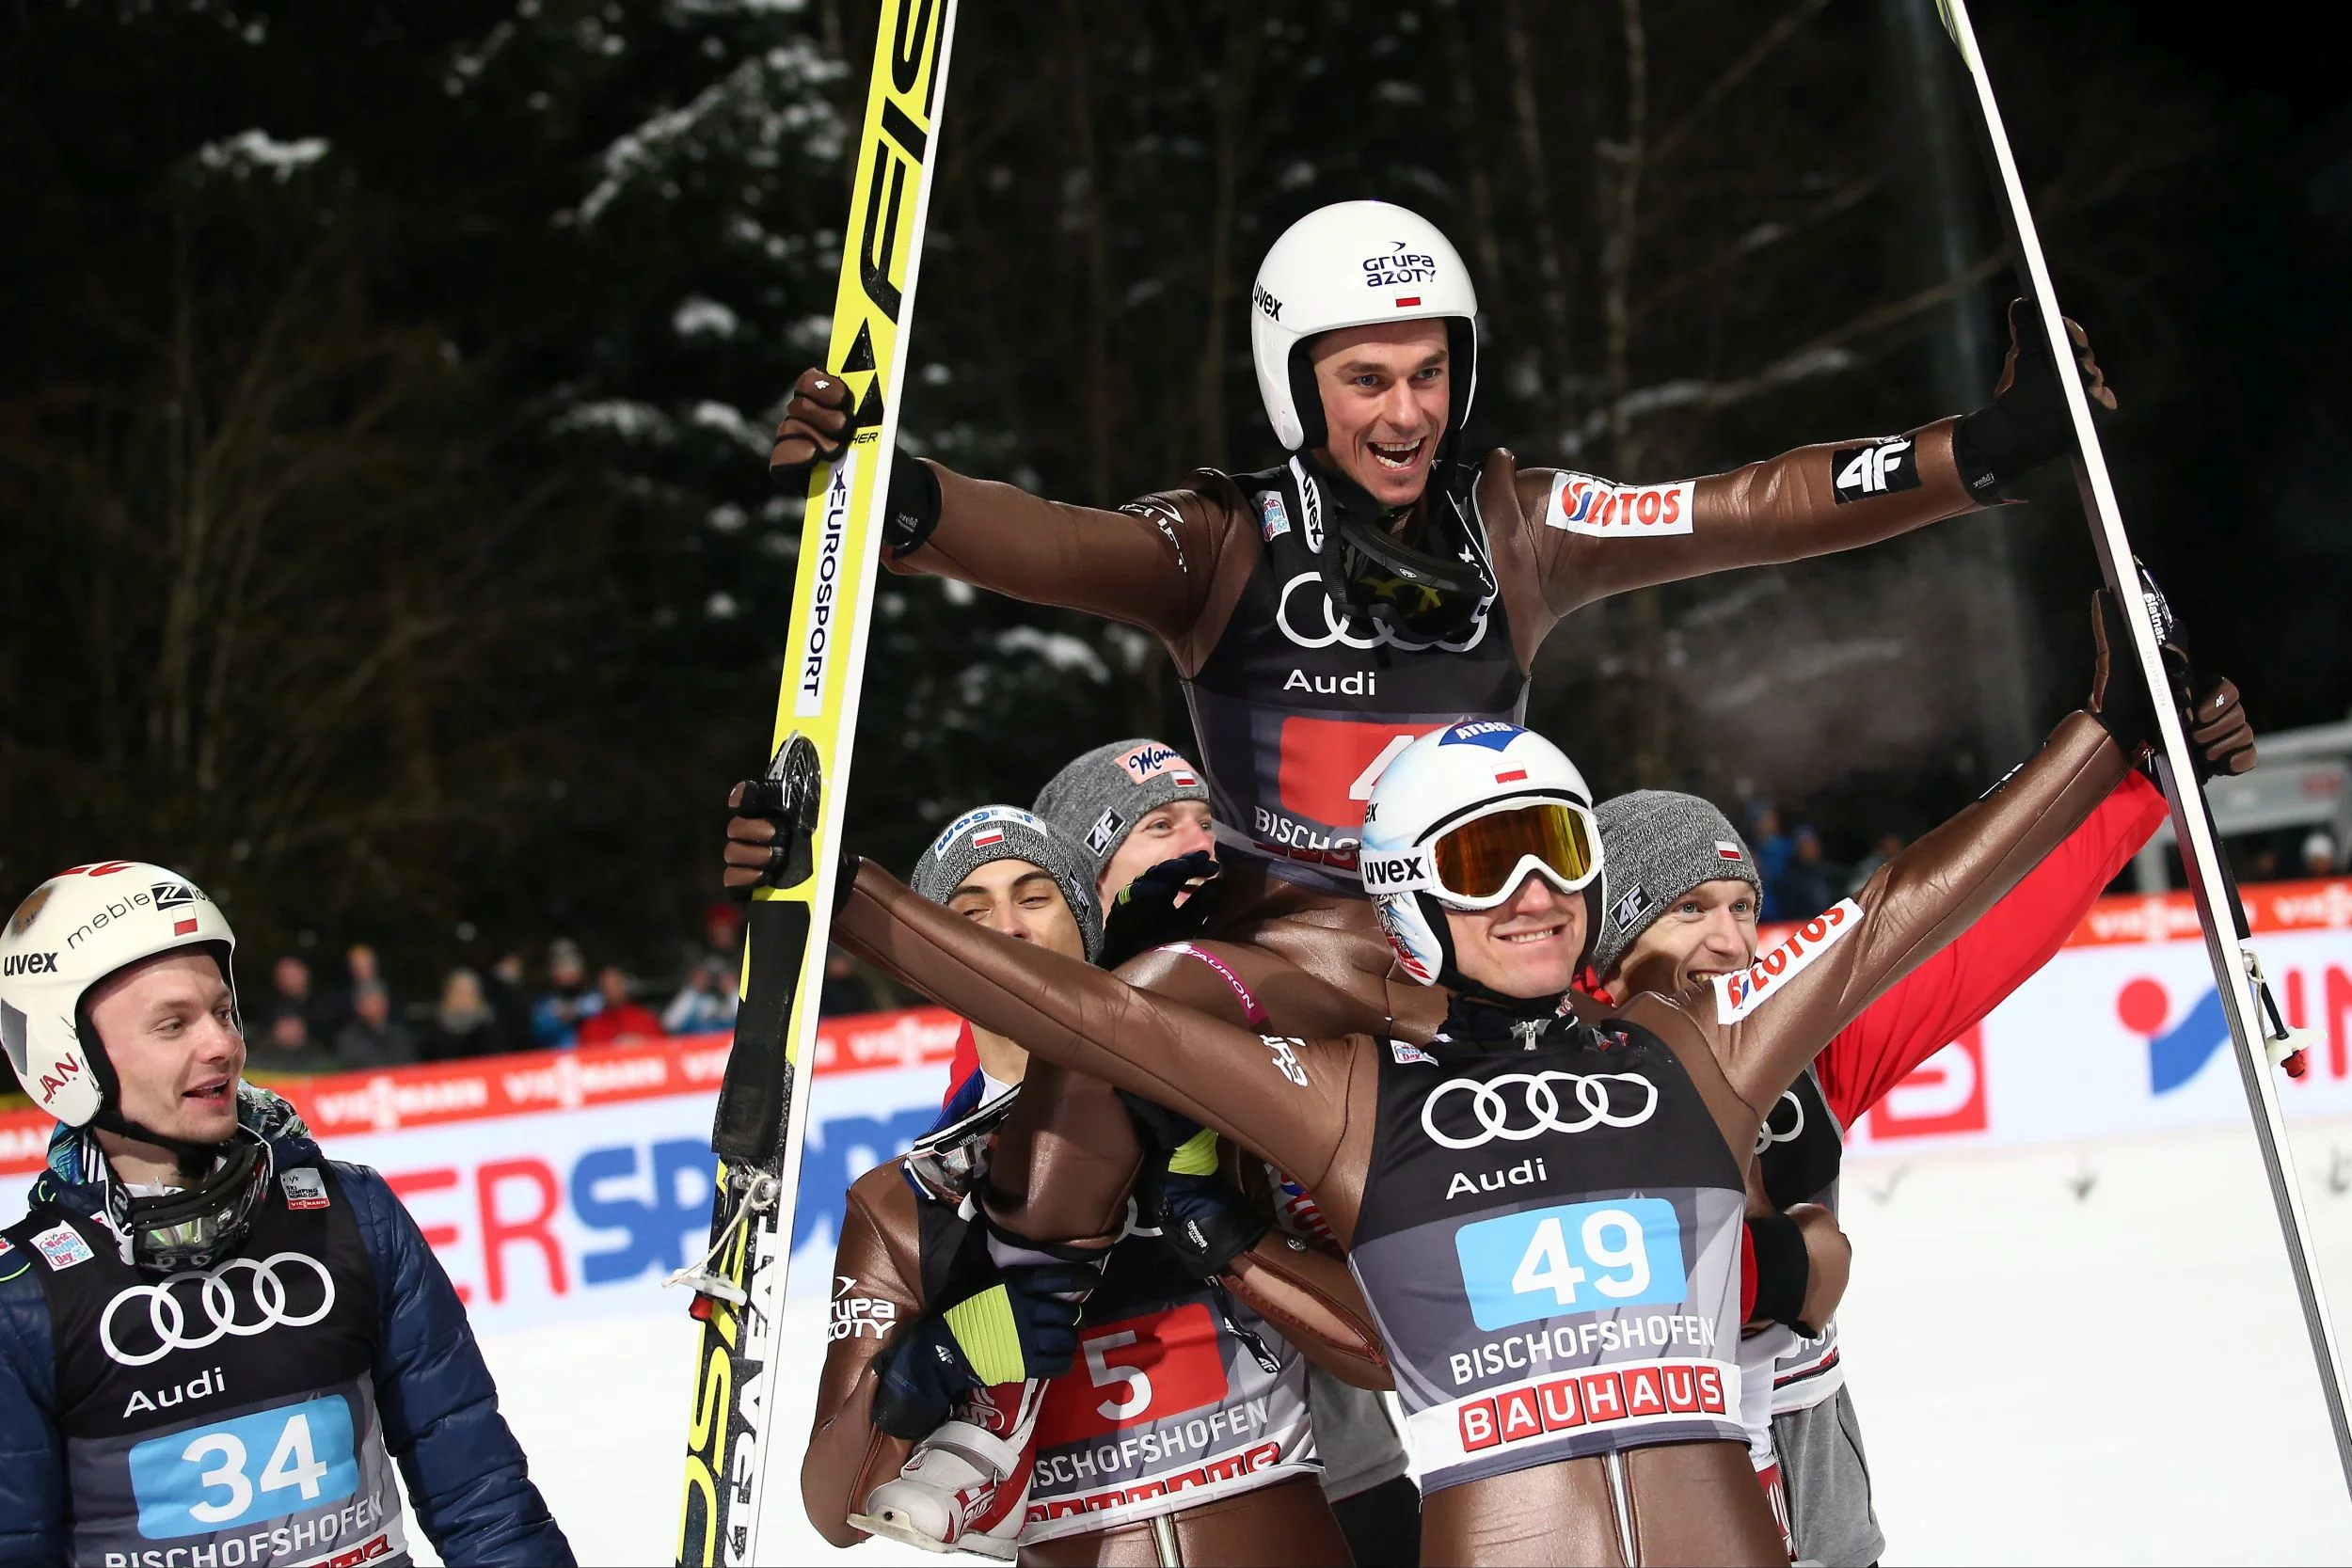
264 1466
1571 1257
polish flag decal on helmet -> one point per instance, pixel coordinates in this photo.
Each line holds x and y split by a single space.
1512 775
184 927
1728 851
982 840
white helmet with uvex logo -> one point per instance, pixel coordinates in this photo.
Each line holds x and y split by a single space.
1350 265
1459 820
71 932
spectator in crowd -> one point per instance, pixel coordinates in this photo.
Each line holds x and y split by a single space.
618 1017
1809 883
2319 855
1886 849
465 1024
289 994
845 989
284 1045
705 1002
722 931
556 1017
1772 849
2264 866
360 971
373 1037
503 990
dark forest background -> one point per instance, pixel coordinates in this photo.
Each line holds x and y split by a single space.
386 392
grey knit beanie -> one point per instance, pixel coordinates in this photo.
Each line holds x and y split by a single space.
989 833
1099 797
1659 846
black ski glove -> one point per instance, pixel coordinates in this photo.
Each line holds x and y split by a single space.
1204 1219
817 425
771 833
2221 739
1019 1327
1147 914
2026 424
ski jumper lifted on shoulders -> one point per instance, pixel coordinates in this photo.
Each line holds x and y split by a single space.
1554 1420
1381 584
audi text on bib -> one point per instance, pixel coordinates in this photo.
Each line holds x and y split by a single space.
1168 1405
1550 1241
226 1415
1301 704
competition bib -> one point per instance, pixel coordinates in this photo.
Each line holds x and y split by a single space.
1550 1242
1167 1406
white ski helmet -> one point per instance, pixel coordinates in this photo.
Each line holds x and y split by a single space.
1445 781
1350 265
71 932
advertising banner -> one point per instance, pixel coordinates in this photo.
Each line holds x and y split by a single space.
567 1184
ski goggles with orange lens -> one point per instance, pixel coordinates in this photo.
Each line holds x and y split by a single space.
1479 864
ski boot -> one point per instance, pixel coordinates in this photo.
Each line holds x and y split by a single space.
966 1486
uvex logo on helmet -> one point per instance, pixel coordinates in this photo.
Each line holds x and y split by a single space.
1383 873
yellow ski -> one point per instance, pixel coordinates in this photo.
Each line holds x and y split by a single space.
763 1106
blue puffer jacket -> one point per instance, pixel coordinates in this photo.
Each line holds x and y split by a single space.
466 1479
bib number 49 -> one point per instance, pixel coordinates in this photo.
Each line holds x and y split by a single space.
1569 1259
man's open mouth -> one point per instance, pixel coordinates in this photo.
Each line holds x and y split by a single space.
1522 939
1395 454
212 1090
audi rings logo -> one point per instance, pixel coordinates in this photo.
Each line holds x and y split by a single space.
1784 1125
229 1303
1350 633
1537 1105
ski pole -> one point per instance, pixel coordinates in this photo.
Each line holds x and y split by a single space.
2209 878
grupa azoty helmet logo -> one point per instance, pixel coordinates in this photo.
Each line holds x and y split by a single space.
242 1298
1598 1103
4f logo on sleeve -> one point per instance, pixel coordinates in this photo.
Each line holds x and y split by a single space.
1878 469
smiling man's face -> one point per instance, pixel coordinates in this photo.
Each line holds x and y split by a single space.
1710 930
1527 947
170 1026
1387 393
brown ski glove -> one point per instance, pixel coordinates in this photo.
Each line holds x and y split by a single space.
2221 739
816 426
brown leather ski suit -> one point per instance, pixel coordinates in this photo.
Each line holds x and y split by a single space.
1687 1502
1178 565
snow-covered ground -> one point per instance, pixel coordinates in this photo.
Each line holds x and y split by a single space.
2087 1353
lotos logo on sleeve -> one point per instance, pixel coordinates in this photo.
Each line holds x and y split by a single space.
1738 994
1583 504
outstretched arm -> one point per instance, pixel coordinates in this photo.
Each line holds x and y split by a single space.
1596 538
1592 538
1952 991
1152 563
1768 1020
1285 1099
